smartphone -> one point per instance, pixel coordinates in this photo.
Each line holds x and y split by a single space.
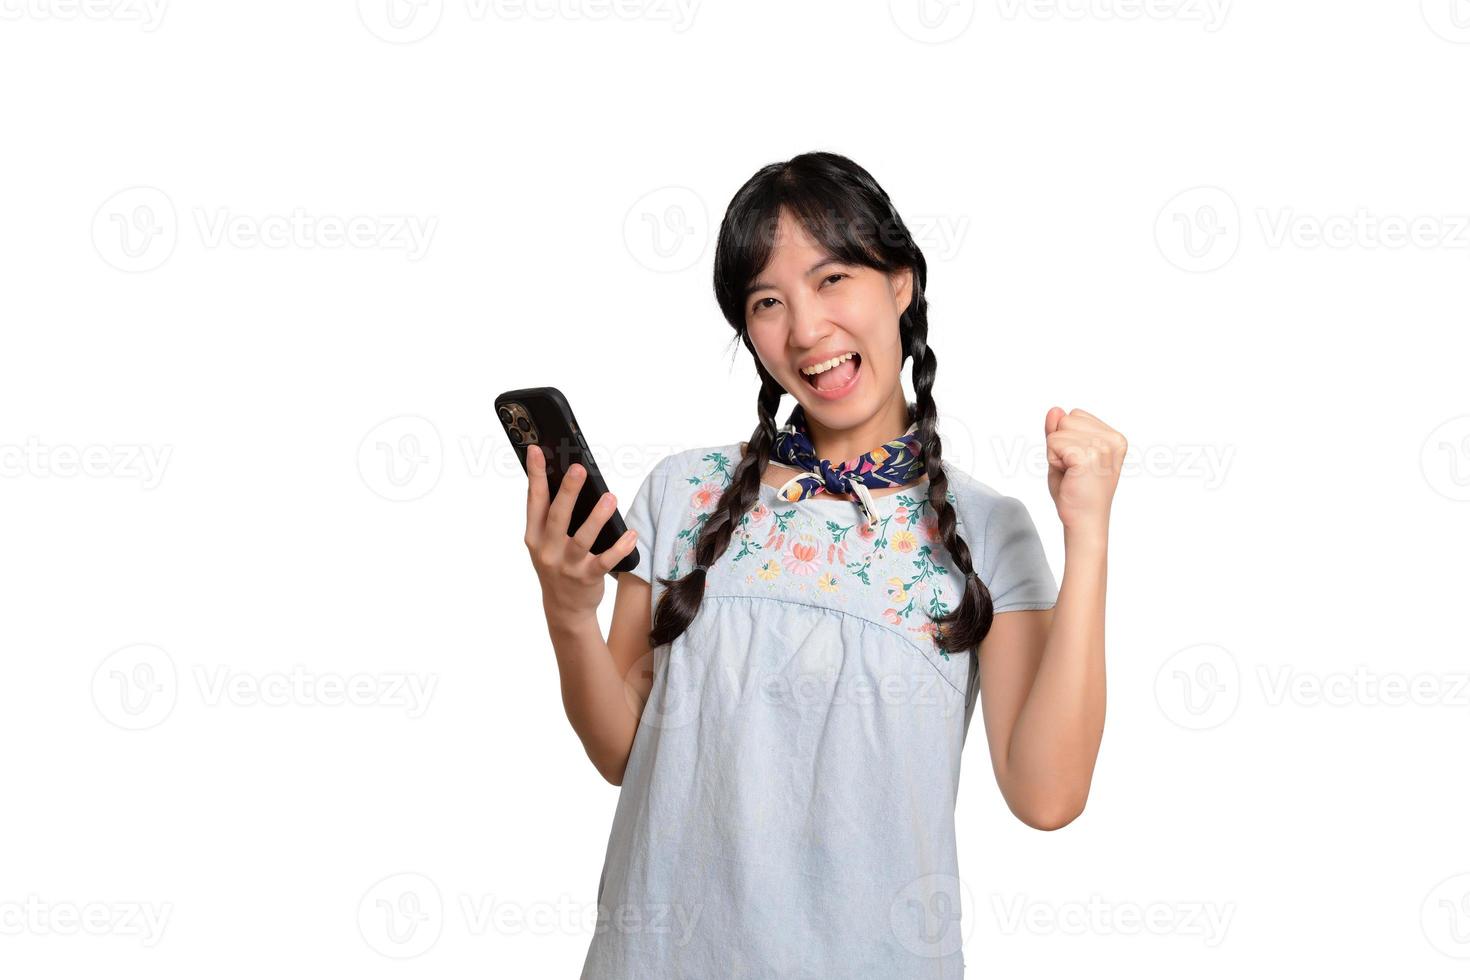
543 417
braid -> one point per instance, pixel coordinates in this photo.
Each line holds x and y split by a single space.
964 627
681 598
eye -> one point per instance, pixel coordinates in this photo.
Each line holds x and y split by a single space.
757 308
836 275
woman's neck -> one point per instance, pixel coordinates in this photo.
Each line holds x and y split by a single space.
841 445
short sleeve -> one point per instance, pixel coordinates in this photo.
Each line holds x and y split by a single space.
1016 570
642 516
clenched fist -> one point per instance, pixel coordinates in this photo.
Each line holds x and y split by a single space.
1084 458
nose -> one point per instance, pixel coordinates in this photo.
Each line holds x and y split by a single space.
809 323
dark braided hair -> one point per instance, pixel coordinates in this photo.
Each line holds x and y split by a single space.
844 210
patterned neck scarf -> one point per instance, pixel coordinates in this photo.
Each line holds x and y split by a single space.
896 462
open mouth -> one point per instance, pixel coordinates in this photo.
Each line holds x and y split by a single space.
837 375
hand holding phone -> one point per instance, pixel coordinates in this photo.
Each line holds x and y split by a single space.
569 563
571 574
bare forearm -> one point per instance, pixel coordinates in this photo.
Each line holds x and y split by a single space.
597 702
1058 732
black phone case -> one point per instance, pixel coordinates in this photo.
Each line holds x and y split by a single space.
555 430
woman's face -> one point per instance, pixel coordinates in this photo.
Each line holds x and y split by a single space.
807 307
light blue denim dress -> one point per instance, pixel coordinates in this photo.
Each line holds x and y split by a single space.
787 810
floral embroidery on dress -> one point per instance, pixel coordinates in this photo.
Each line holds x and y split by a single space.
704 497
892 568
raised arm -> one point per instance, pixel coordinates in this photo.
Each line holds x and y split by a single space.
1042 672
603 682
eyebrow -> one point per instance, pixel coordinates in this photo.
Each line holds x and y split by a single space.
757 286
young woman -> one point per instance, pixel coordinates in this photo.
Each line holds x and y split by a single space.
792 667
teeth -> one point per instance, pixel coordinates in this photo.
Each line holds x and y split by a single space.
826 365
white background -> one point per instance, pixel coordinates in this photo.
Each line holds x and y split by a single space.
245 460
